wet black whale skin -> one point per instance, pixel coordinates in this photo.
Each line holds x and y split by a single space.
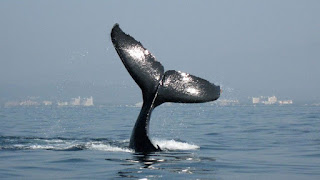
157 86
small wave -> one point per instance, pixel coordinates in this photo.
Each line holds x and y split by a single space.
61 147
61 144
174 145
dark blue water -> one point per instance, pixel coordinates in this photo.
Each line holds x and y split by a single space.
200 141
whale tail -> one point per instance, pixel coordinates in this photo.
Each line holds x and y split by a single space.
157 86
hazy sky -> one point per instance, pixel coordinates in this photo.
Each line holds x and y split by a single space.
56 48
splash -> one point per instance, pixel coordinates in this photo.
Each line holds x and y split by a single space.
174 145
66 144
107 147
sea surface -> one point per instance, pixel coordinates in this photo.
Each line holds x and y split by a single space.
201 141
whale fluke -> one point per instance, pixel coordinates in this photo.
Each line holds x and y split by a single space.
182 87
157 86
140 63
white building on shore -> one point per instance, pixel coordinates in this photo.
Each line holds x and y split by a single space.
75 101
255 100
286 102
269 100
61 103
47 103
88 101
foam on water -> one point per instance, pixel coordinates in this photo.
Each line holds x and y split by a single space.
61 144
107 147
30 143
174 145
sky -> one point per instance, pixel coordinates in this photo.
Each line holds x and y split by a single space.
62 49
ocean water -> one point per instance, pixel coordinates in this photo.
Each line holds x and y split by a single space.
201 141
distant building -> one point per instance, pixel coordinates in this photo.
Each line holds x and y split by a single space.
47 103
88 101
286 102
227 102
75 101
271 100
255 100
29 103
62 103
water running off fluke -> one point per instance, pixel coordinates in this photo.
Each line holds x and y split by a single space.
157 85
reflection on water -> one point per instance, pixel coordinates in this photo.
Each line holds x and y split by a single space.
159 163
